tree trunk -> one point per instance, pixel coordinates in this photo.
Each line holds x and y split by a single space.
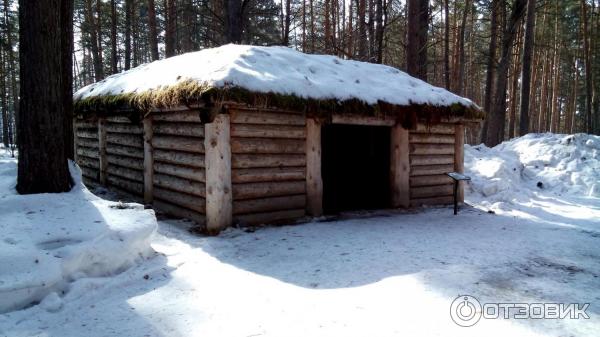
188 16
3 100
528 45
233 21
91 28
379 30
362 30
447 44
128 13
491 61
171 28
588 68
416 47
42 166
513 87
114 57
153 33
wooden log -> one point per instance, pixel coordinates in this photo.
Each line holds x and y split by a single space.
269 204
459 160
400 167
439 128
148 160
432 180
263 117
186 144
136 188
125 139
179 185
127 162
267 146
270 217
179 158
128 151
90 173
75 139
254 175
219 200
88 133
431 138
126 173
446 200
85 124
119 119
192 116
314 180
363 120
88 162
428 170
431 191
239 161
416 160
268 189
130 129
178 212
87 152
267 131
431 149
186 172
179 129
88 142
102 149
190 202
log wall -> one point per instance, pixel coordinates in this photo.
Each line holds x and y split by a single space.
268 158
431 157
86 149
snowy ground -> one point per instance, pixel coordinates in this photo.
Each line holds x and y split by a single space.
394 274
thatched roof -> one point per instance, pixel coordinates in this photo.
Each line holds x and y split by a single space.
272 76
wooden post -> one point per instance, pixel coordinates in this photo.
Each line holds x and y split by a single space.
219 201
459 160
75 140
102 149
314 181
148 161
400 167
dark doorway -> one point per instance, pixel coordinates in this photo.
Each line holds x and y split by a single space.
355 167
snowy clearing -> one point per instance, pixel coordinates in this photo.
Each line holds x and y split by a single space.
393 274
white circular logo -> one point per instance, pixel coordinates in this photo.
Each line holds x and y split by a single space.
465 310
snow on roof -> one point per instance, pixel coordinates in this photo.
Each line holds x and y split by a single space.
278 70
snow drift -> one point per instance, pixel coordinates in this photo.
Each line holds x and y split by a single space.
516 170
48 241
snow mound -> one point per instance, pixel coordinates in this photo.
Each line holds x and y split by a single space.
48 241
536 163
278 70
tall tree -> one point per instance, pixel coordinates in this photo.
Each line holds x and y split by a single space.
128 13
528 44
588 67
153 32
233 21
416 46
447 44
114 56
45 31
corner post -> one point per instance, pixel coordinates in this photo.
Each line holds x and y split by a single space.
148 161
75 140
219 200
459 160
102 149
314 180
400 167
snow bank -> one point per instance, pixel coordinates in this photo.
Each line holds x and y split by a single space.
48 241
278 70
536 163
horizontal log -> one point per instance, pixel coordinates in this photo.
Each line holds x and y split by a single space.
264 160
90 173
87 152
177 116
263 117
186 172
132 129
363 120
122 172
179 129
178 212
179 158
128 151
268 131
430 138
268 174
187 144
431 191
119 119
431 149
432 180
86 124
268 189
180 185
92 134
269 204
440 128
127 162
128 185
427 170
125 139
83 161
416 160
125 196
190 202
270 217
267 146
447 200
87 142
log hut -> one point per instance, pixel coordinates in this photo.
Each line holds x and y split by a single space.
251 135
